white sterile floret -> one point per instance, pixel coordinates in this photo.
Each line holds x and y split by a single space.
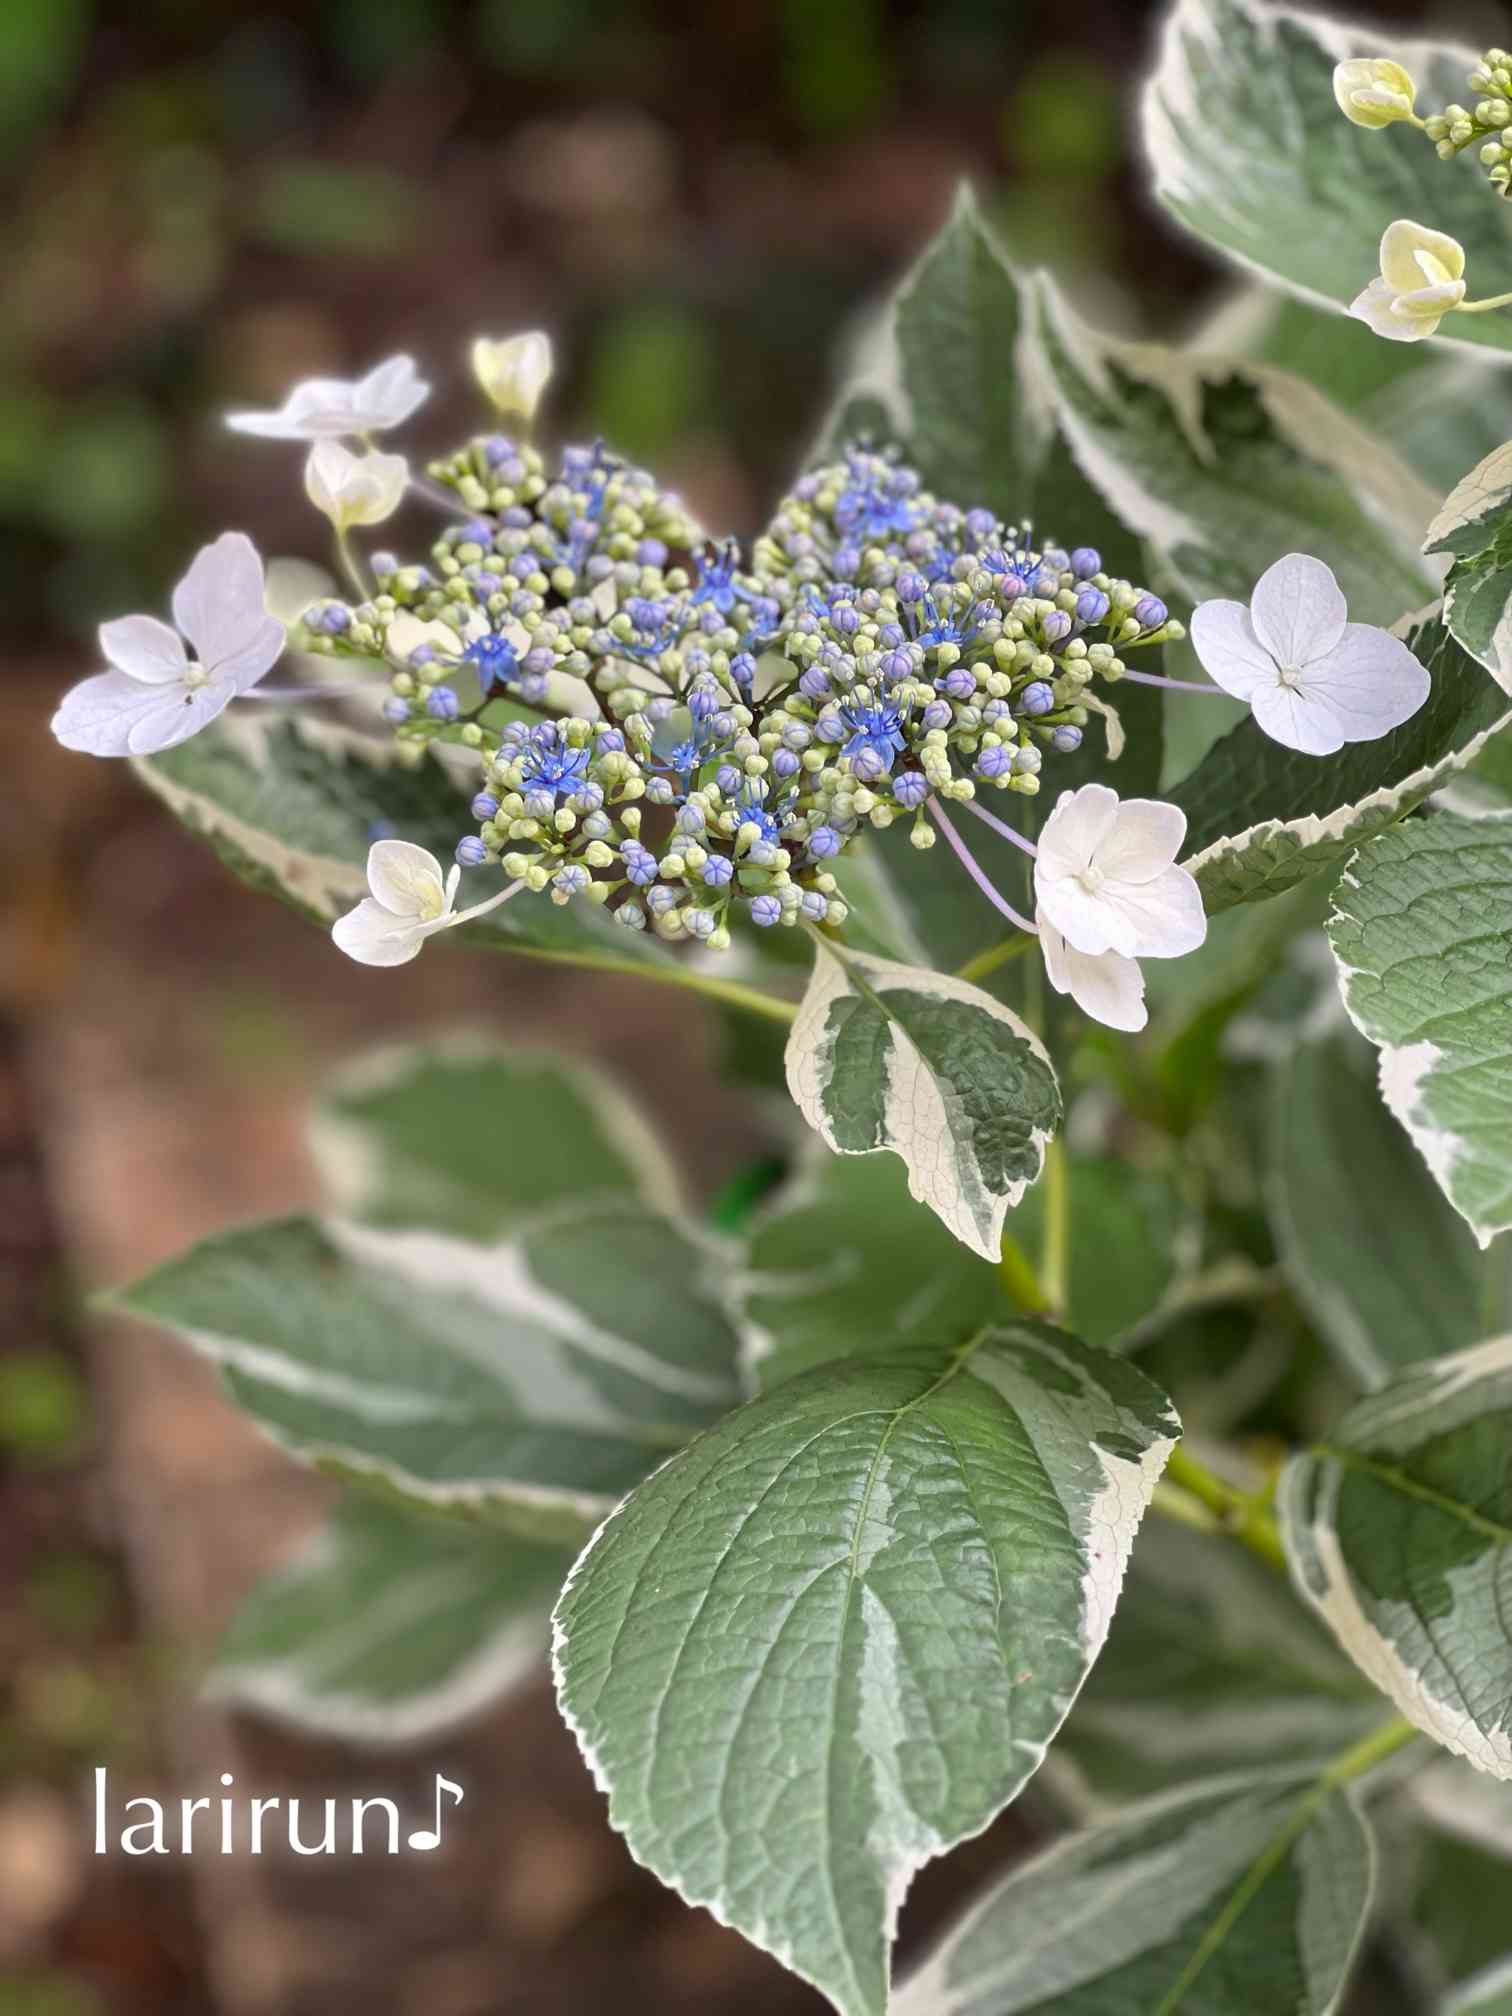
1422 279
326 407
157 695
354 489
1313 679
1373 91
514 371
410 901
1105 876
1105 985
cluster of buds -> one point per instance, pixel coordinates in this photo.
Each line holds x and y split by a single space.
882 651
1374 91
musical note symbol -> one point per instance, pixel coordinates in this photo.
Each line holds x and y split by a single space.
427 1838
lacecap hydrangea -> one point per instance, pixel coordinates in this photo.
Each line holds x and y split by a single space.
691 737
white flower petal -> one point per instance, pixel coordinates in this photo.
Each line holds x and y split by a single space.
219 605
1087 921
1298 610
388 395
1230 653
145 648
1373 307
1370 682
1400 244
1289 716
1145 840
406 880
1079 824
1110 989
354 489
115 715
1163 918
316 406
374 936
514 371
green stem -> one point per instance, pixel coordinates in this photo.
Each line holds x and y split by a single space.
1244 1517
1484 307
350 567
1055 1255
1019 1278
992 957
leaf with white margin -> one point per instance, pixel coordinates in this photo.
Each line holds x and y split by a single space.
387 1627
884 1056
835 1635
291 805
1386 1269
466 1134
1261 818
1239 1896
1488 1994
1474 527
1226 466
528 1383
1252 154
1211 1666
1422 932
1398 1530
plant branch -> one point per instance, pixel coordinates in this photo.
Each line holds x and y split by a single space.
1239 1514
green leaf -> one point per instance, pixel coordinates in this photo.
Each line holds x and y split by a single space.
1422 932
465 1136
1397 1530
844 1262
1379 1260
1211 1666
835 1635
1475 529
884 1056
387 1627
292 805
529 1383
1241 1896
1252 154
1261 818
1225 466
1441 410
1488 1994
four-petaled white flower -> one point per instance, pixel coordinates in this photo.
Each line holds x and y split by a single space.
1373 91
409 903
1422 279
1104 985
513 371
324 407
1105 877
1313 679
157 695
354 489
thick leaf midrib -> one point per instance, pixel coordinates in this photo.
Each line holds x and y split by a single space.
1398 1480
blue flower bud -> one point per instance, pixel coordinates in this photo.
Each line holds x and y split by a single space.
869 765
640 867
609 743
651 553
814 905
765 912
1044 580
661 899
1092 605
384 563
718 871
1150 612
785 764
1036 698
396 710
911 587
1056 627
729 779
540 804
485 805
1065 739
911 789
937 714
814 685
743 670
846 620
631 916
889 637
830 728
471 853
1011 587
960 682
573 879
702 703
1085 562
1056 557
823 842
690 819
996 761
896 665
980 526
